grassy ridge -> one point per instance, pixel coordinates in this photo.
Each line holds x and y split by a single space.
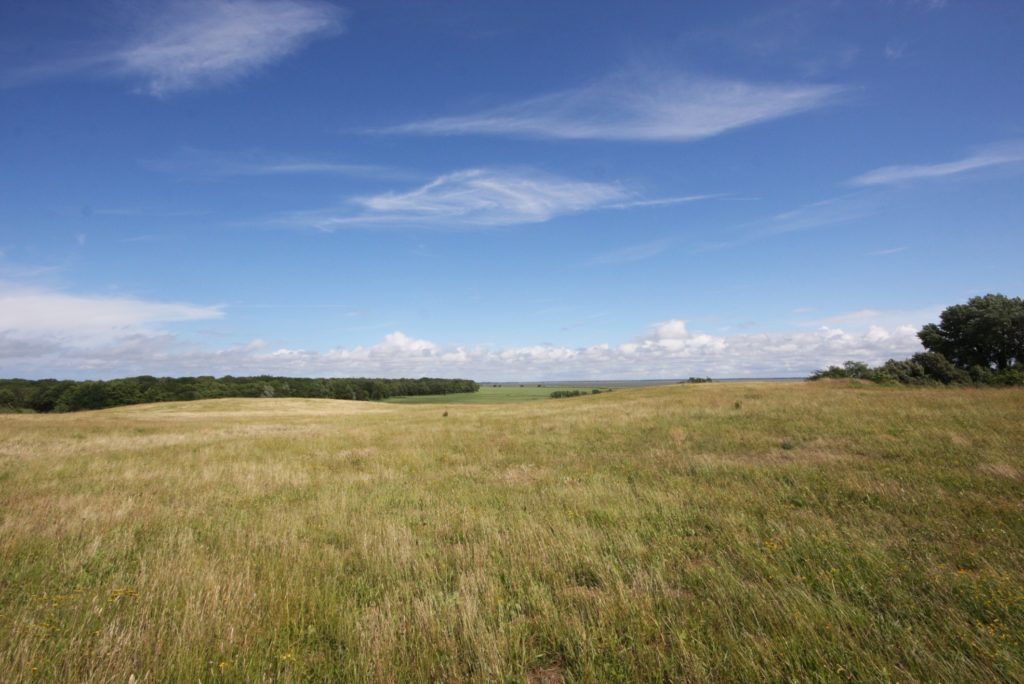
710 532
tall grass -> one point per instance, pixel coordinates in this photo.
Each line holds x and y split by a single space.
704 532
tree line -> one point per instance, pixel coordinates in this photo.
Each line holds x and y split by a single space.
58 396
980 342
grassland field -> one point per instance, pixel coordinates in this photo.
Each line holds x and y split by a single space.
829 531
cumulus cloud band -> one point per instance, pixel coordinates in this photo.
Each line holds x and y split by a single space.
669 350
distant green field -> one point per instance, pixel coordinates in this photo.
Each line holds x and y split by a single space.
503 394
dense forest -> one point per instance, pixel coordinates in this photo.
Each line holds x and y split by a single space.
46 396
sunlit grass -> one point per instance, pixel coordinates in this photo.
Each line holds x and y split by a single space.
737 531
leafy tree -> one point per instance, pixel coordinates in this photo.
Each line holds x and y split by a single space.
8 400
856 369
938 367
85 396
832 372
987 332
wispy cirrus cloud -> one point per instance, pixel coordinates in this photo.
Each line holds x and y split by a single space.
821 214
637 105
188 44
884 318
480 198
997 154
888 251
194 163
631 253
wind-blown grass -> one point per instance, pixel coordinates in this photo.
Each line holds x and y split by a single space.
648 534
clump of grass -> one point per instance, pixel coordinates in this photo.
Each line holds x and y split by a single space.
645 536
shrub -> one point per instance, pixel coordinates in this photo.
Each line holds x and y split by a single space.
937 367
924 368
1011 377
832 372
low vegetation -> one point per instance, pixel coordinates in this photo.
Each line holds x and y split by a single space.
61 396
564 393
731 531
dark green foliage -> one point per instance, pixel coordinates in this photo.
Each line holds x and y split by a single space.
936 366
696 380
925 368
832 372
986 331
1011 377
561 394
856 369
47 396
850 369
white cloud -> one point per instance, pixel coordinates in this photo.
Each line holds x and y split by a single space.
668 350
638 106
44 332
187 44
1008 152
29 312
195 44
474 197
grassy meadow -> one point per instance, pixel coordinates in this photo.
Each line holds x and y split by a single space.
741 531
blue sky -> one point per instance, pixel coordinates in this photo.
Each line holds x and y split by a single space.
500 190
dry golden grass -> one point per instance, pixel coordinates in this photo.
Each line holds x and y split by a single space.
709 532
